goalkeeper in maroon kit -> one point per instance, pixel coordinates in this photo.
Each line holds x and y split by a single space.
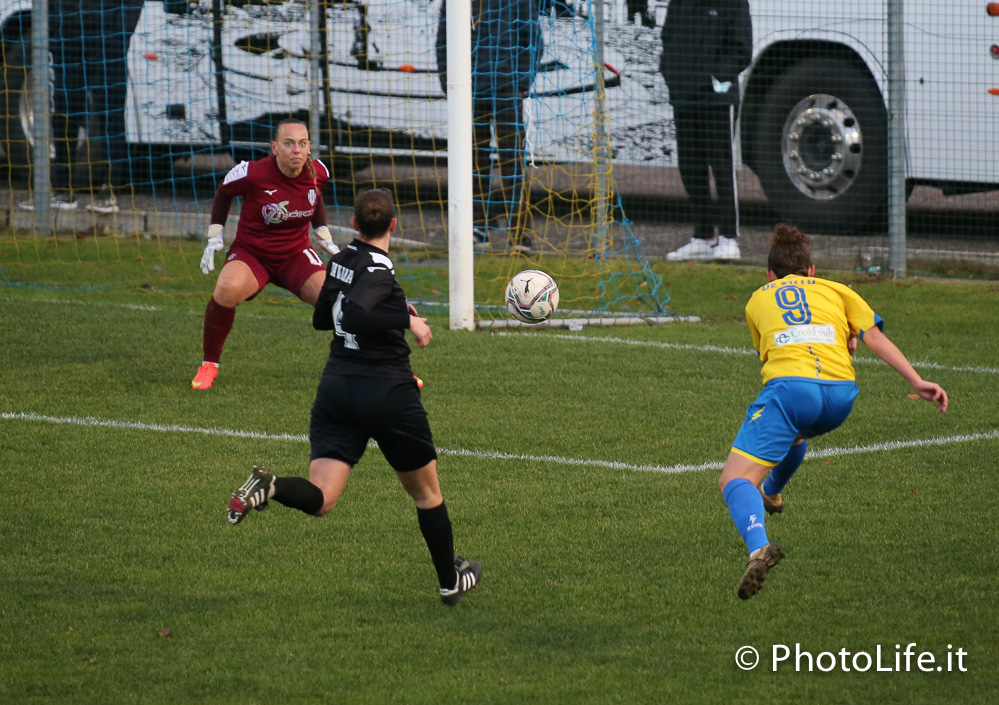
282 197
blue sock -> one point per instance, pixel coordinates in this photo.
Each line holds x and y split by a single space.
782 471
745 506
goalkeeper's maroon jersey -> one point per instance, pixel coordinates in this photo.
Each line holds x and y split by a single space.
276 213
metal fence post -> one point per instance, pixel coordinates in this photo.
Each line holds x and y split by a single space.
597 8
315 74
895 27
41 123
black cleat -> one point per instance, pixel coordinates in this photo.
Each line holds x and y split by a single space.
253 494
469 575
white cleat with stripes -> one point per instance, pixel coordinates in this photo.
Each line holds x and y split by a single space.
469 575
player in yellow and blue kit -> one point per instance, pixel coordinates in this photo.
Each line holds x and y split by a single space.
805 329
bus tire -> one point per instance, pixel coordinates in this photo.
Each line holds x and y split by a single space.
821 146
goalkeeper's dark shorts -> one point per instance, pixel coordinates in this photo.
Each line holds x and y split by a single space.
350 410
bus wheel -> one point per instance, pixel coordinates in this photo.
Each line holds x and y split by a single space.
821 146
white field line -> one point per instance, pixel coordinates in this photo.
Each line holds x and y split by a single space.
496 455
729 351
566 336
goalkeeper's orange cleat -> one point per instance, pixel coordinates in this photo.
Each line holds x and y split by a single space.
206 375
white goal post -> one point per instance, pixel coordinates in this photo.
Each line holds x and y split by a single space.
461 274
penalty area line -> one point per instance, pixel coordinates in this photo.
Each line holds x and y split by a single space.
729 350
883 447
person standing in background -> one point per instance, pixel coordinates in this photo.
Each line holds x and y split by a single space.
706 45
111 29
89 42
506 51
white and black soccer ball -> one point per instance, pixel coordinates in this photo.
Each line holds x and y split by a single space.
531 296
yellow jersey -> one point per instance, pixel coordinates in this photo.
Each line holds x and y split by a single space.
801 325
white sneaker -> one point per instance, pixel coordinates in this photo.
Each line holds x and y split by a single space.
103 205
726 248
696 249
58 203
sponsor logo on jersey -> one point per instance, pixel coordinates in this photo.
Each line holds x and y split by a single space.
277 213
312 197
270 192
757 415
806 335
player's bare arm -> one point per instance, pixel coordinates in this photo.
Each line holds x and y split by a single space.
887 351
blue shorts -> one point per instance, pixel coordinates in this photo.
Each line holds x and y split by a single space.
789 407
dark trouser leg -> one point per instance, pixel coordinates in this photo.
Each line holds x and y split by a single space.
108 36
692 143
482 152
719 120
69 94
509 122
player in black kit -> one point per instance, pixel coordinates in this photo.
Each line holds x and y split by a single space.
367 390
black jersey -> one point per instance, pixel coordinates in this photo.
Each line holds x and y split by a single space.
363 304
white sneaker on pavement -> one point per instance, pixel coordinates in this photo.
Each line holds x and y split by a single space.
58 203
103 205
726 248
696 249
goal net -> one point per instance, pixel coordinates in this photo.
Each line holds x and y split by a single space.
207 81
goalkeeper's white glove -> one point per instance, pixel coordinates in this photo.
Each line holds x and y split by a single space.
214 245
326 240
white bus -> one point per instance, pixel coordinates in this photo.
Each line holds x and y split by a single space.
217 75
814 116
214 75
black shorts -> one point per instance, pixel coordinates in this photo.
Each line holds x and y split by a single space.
349 411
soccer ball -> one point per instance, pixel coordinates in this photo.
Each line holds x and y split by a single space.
531 296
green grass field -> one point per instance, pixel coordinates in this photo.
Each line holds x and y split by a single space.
568 461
